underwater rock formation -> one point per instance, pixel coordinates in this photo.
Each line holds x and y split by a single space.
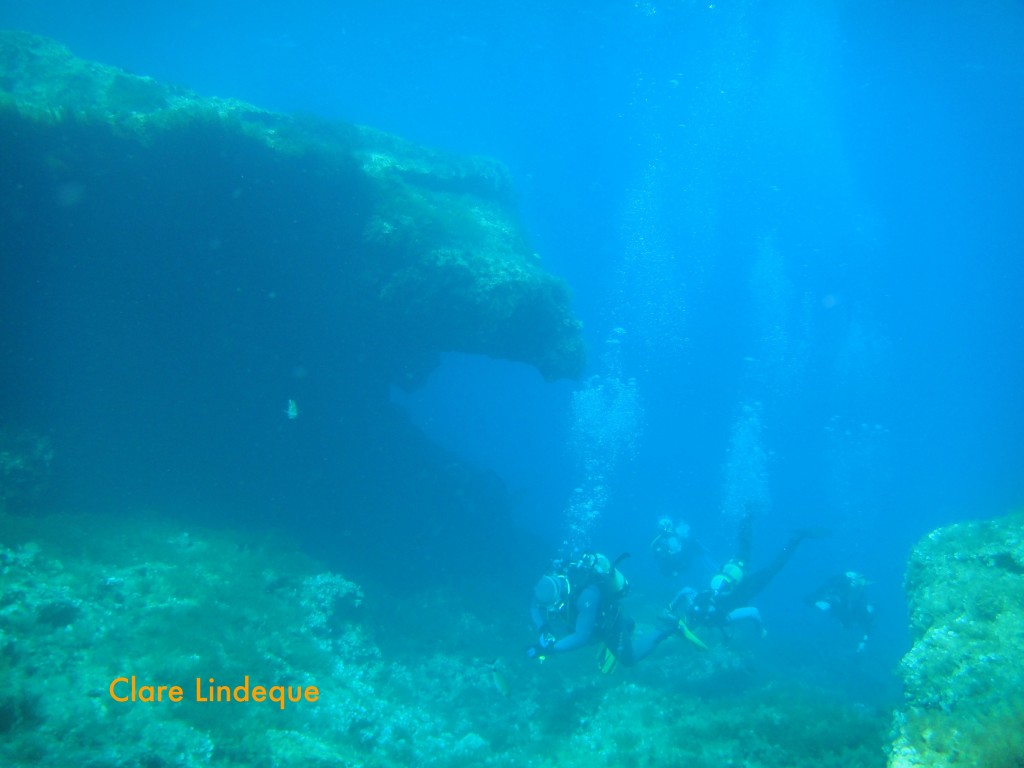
404 252
964 675
183 275
86 601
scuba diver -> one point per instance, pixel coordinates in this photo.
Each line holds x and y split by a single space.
578 603
844 596
726 600
674 549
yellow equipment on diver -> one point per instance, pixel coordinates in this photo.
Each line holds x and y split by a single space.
690 636
606 661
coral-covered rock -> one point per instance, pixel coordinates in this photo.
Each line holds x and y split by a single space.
402 680
964 674
85 601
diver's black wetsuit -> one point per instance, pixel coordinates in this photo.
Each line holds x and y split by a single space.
590 618
675 554
753 583
721 608
846 601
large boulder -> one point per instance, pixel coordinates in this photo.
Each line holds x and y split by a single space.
964 675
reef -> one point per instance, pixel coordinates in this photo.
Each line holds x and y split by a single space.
413 248
964 675
179 268
433 679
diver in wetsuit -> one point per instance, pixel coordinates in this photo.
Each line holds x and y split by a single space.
845 597
727 599
676 551
577 604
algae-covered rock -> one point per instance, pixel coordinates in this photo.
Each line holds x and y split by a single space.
403 252
402 680
964 675
85 601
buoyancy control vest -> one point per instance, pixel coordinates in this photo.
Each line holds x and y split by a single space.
593 569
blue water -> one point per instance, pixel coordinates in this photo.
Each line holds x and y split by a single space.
793 235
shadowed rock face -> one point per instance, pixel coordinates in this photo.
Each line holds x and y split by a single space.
175 269
964 675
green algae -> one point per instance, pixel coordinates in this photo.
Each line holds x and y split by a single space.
963 675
